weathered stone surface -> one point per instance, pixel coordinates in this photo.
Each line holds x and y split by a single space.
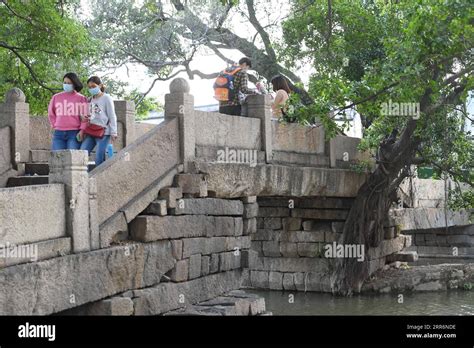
156 152
45 218
206 246
237 180
180 272
37 251
209 206
259 279
266 235
288 249
301 159
275 280
205 265
250 210
294 137
171 195
387 247
403 256
148 228
291 224
288 281
272 223
460 240
343 150
249 199
158 207
303 236
177 248
113 230
317 202
212 129
238 226
271 249
5 150
170 296
88 276
248 258
192 184
214 263
421 278
310 249
195 266
314 225
302 264
249 226
274 212
427 218
229 261
117 305
320 214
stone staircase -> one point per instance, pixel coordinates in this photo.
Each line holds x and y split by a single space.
36 171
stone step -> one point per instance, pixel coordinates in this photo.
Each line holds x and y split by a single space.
27 180
194 185
208 206
403 256
147 228
37 168
441 250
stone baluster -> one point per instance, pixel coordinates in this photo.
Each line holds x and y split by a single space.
179 103
259 106
69 167
14 113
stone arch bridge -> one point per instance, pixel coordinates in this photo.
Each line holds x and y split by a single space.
187 213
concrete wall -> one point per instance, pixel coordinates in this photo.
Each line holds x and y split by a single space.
218 130
136 167
293 137
32 213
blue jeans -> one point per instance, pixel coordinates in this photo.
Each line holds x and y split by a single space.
90 142
65 140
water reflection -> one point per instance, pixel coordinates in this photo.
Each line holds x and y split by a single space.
427 303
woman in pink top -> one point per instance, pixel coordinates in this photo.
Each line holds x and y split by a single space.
280 86
64 112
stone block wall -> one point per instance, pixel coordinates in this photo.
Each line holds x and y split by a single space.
288 249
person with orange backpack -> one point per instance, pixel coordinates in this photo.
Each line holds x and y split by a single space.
229 84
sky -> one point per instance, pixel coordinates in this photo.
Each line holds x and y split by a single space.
201 89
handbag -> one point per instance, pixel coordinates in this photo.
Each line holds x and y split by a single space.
94 130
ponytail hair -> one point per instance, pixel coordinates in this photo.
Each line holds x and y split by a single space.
97 81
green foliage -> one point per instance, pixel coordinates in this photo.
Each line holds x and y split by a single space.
39 43
374 52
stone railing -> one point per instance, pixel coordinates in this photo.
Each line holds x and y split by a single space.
32 213
112 195
14 113
5 155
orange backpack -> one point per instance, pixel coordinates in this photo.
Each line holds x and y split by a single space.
224 84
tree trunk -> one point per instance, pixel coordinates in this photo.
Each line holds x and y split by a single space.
368 214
